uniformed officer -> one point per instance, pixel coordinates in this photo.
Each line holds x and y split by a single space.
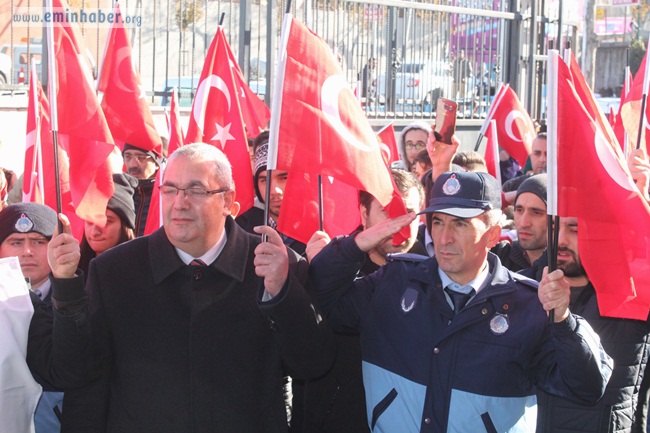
456 342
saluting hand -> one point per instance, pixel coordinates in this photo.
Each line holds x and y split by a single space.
375 235
63 253
554 293
271 260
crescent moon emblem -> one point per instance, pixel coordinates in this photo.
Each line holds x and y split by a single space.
202 94
610 163
385 152
121 55
510 120
330 91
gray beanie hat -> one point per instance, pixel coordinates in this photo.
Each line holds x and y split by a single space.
535 184
122 200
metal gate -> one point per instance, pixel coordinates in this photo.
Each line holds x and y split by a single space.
400 56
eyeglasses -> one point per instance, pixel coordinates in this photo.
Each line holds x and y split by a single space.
140 158
194 192
417 146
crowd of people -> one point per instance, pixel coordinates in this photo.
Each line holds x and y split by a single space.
201 326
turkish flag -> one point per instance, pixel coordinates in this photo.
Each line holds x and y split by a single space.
586 95
492 152
83 132
619 127
124 102
631 108
216 117
515 129
254 111
154 218
595 186
175 127
299 218
321 129
388 144
39 176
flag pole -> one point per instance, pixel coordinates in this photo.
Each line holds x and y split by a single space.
274 127
626 138
320 202
54 121
552 151
644 97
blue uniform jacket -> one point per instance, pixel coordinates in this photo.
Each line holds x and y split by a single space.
424 372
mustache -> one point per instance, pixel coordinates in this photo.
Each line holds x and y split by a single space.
566 250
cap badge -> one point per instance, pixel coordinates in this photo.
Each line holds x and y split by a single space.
451 186
499 324
24 224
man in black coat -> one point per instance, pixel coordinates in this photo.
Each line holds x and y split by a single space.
193 324
625 340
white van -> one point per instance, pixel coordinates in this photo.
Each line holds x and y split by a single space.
19 60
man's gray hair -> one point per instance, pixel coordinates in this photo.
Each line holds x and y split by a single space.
492 217
206 152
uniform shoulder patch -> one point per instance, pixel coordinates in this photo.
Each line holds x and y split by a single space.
525 280
405 257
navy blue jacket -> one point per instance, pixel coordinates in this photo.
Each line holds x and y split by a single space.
627 342
425 372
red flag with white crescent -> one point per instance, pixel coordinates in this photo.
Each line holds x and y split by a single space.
614 229
320 127
216 117
175 127
388 144
124 101
38 176
254 111
515 129
154 217
619 127
83 131
492 152
631 108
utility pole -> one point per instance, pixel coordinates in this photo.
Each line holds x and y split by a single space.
589 54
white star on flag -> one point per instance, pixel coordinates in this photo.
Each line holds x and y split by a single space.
222 135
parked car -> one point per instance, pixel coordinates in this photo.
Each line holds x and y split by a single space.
420 83
20 63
